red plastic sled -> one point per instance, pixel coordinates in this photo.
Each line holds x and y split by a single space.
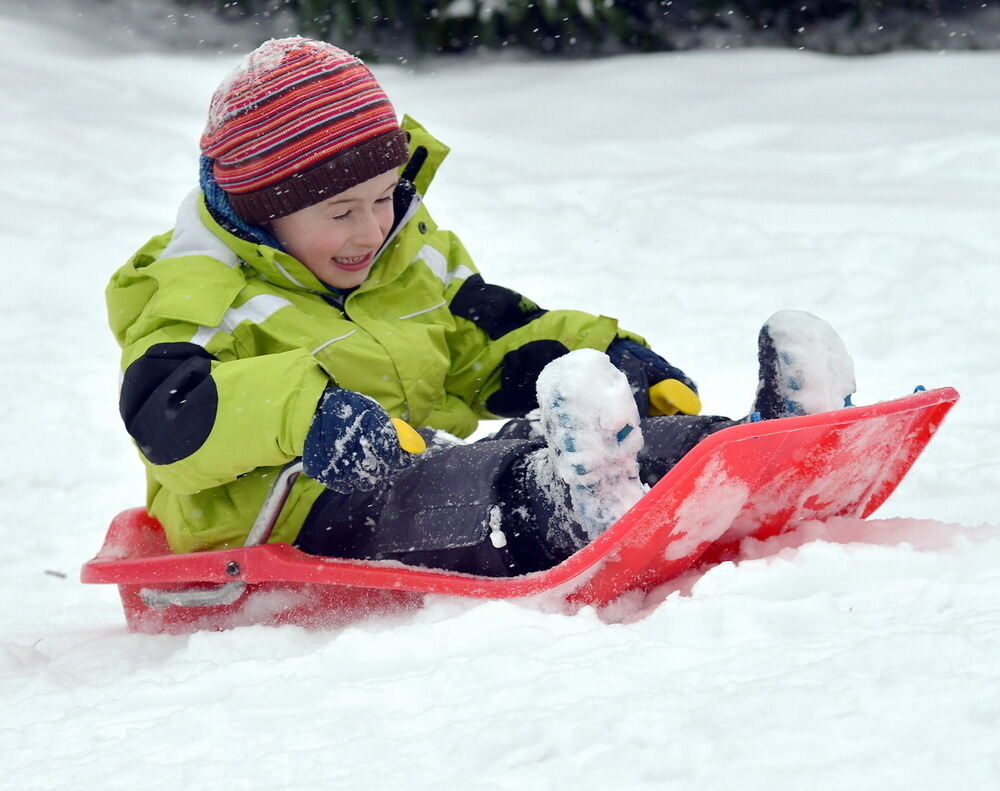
756 479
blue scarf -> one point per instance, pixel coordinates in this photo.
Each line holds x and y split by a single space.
219 205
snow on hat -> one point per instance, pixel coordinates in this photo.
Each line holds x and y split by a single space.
298 121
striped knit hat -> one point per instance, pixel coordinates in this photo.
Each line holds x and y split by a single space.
297 122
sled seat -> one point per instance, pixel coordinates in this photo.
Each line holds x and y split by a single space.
751 480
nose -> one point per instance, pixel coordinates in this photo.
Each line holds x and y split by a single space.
369 232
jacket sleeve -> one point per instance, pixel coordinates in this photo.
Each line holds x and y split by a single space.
503 340
202 408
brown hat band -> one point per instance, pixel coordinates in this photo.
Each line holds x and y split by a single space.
332 176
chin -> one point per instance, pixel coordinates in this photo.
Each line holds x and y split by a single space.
343 280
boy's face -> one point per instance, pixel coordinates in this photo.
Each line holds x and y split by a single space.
337 239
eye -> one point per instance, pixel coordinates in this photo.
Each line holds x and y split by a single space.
386 199
343 216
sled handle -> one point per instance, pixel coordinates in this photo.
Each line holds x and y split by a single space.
275 500
229 592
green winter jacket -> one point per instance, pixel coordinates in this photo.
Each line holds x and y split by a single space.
228 345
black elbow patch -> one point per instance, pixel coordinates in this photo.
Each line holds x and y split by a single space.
169 401
494 309
518 376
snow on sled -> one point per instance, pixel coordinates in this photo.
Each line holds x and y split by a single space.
751 480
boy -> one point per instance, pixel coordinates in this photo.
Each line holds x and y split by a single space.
306 304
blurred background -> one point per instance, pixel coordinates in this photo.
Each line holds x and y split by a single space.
404 30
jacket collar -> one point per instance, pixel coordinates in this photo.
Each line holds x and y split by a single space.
424 147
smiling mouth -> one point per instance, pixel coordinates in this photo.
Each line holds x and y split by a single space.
353 262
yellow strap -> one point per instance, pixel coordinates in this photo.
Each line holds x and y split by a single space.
409 439
672 396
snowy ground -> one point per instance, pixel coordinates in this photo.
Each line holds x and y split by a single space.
689 195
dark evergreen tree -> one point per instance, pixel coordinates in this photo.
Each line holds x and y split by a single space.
405 28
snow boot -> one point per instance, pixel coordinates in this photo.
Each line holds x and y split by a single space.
804 367
591 426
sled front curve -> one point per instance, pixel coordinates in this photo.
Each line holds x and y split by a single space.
751 480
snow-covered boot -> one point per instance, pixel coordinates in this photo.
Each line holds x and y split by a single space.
591 424
804 367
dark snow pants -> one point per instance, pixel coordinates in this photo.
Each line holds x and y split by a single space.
441 511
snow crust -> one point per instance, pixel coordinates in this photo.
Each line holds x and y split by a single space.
591 426
717 500
846 655
813 361
249 72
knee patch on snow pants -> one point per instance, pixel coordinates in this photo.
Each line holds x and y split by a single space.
667 439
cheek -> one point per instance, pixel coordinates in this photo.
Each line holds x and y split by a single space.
323 242
385 220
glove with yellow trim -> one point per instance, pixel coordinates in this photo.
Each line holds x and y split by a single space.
353 444
659 387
